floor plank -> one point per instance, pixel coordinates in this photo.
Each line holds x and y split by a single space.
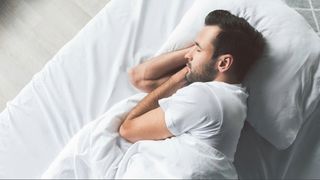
31 32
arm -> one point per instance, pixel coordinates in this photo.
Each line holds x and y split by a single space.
151 74
146 120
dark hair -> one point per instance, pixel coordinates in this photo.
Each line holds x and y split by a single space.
238 38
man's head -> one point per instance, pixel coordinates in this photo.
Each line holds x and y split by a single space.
224 49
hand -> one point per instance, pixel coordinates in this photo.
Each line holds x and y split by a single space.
180 76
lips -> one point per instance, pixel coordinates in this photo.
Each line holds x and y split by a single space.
188 66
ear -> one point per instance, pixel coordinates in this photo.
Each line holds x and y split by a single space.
224 62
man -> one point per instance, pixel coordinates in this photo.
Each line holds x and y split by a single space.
213 107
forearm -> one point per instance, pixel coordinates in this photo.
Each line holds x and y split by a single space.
146 121
162 65
150 102
150 85
152 73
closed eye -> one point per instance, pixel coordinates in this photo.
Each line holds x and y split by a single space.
198 45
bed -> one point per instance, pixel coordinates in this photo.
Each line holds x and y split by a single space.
89 74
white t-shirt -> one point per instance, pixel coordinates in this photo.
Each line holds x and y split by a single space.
213 112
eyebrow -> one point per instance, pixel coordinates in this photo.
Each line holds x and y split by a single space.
196 43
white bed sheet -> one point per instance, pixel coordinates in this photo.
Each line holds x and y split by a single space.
82 81
88 75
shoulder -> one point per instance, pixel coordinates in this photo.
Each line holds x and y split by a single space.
195 89
197 94
189 98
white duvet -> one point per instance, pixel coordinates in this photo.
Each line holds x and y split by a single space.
97 151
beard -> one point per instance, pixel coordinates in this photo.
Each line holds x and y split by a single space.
205 74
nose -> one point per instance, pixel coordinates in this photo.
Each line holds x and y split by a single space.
188 55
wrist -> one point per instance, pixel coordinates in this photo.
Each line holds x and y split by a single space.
180 77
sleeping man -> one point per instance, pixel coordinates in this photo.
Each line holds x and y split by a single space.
196 106
197 90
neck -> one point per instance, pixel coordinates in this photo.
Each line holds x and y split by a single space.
227 79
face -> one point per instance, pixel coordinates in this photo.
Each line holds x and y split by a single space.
200 65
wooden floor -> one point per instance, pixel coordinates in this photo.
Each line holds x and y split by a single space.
31 32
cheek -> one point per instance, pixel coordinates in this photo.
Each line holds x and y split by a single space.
199 60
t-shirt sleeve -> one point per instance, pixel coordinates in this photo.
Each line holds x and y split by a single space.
188 110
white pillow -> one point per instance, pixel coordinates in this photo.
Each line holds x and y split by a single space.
284 85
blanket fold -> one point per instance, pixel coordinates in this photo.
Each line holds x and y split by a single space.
97 151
